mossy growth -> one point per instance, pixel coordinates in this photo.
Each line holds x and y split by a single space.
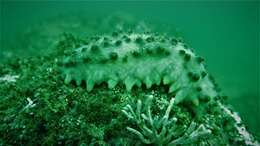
39 109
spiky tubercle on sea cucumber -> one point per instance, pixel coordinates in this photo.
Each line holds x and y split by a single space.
135 59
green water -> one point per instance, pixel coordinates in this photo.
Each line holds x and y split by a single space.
226 34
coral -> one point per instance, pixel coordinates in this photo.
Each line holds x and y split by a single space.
136 59
161 130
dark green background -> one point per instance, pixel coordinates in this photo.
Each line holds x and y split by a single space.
225 33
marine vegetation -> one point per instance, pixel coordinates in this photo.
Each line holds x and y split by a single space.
124 88
161 129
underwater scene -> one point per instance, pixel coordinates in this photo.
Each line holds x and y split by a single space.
123 73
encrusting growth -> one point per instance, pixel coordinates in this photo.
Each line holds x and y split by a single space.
134 59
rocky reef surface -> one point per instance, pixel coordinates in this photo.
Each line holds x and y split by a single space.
124 88
95 86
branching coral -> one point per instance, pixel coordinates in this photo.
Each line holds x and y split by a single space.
161 130
134 59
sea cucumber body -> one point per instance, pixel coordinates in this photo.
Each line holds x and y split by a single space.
134 59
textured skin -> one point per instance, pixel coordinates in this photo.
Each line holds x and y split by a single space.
134 59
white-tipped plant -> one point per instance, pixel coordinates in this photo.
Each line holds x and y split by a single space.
161 130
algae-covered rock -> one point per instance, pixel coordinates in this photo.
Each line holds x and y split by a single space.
90 91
